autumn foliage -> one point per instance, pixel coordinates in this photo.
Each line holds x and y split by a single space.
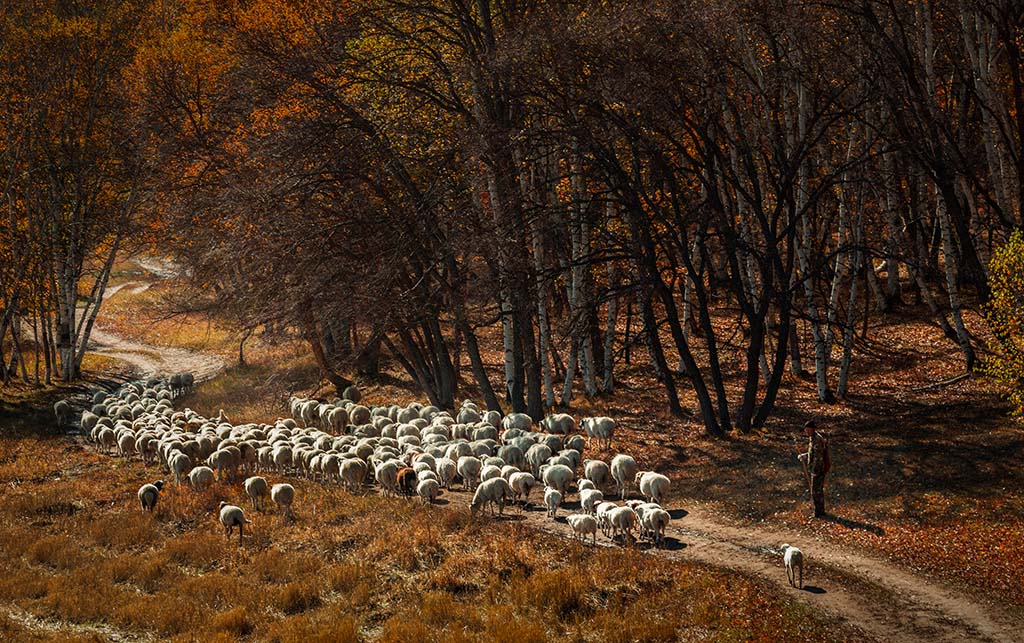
1005 314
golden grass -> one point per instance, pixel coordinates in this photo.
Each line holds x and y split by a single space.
77 552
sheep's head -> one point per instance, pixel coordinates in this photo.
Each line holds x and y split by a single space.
159 484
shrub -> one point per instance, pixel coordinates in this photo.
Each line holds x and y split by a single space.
1005 315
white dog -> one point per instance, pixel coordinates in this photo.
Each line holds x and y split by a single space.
794 559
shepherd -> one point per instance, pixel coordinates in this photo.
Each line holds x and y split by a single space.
817 463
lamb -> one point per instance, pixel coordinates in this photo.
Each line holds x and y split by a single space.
200 477
148 494
582 524
62 409
623 469
601 428
552 500
496 491
583 483
256 488
652 485
230 515
428 490
283 494
794 559
446 469
589 499
654 522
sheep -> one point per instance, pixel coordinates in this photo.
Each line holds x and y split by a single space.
283 494
794 559
469 468
88 421
230 515
537 455
256 488
583 484
179 464
428 489
582 524
406 481
517 421
493 491
522 483
601 428
558 477
623 469
552 500
597 471
655 521
200 477
446 469
589 499
653 486
352 393
62 410
562 423
622 520
126 445
148 494
353 472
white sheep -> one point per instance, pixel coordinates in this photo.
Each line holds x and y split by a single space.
200 477
469 469
517 421
623 469
230 515
148 494
601 428
582 524
622 520
521 483
655 521
589 499
428 489
62 409
283 494
794 559
490 492
597 471
561 423
179 465
558 477
552 500
256 488
653 486
353 472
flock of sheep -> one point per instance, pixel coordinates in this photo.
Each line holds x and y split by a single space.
415 450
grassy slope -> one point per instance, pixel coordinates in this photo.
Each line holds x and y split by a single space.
76 550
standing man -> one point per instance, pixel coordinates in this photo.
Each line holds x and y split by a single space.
817 462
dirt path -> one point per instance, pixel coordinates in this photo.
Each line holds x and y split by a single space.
886 602
152 360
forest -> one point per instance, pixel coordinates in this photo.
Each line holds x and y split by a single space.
727 192
353 277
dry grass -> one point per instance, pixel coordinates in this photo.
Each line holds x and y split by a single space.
77 553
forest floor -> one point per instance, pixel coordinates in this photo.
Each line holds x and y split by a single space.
926 539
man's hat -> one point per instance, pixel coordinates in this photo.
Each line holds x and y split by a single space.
810 424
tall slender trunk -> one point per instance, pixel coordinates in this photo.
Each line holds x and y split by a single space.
950 263
609 334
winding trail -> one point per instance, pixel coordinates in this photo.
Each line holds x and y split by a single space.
152 360
883 600
886 602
